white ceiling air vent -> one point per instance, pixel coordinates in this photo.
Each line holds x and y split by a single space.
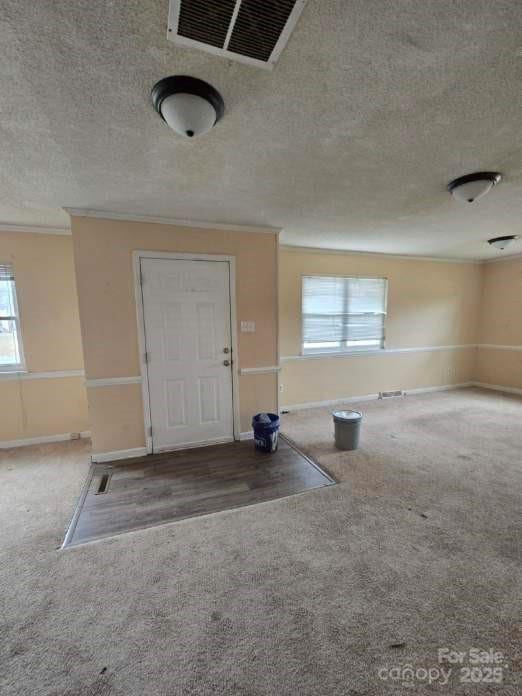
250 31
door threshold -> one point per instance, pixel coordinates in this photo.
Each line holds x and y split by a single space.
193 445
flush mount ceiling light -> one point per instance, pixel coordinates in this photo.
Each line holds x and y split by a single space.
502 242
189 106
471 187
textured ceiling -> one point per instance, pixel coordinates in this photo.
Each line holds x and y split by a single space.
349 143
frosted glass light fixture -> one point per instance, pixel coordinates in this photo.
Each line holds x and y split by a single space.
189 106
471 187
502 242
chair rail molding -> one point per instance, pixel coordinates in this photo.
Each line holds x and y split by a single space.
381 351
111 381
54 374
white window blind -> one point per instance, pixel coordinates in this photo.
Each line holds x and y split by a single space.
343 314
11 353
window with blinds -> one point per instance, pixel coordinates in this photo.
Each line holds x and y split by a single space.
343 314
11 353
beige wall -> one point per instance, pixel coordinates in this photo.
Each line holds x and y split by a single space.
48 305
103 251
501 325
429 304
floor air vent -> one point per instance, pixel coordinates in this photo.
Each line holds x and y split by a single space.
103 485
391 394
250 31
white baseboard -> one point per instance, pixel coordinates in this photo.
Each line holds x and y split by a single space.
330 402
44 439
372 397
444 387
498 387
99 457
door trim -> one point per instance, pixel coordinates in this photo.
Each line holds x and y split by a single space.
140 316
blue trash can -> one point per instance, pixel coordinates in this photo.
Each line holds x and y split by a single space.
266 431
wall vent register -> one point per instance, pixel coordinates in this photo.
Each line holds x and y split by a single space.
397 393
249 31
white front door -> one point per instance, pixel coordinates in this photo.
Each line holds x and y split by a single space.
186 309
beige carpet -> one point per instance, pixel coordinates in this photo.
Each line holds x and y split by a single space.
416 547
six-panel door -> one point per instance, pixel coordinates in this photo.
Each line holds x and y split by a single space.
186 307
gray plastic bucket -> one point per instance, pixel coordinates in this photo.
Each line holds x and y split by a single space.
347 429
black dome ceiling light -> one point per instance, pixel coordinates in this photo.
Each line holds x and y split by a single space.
471 187
502 242
189 106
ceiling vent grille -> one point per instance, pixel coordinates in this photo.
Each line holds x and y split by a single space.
250 31
206 22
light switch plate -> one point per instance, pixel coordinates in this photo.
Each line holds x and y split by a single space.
248 327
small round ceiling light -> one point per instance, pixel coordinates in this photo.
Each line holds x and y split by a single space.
471 187
502 242
189 106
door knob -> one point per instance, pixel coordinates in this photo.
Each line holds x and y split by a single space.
226 363
226 350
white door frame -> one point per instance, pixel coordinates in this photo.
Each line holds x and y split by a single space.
231 260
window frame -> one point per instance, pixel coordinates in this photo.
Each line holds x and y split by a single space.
343 351
20 366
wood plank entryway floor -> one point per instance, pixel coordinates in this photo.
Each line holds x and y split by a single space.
136 493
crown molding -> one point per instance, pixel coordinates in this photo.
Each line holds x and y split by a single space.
407 257
347 252
198 224
510 257
35 229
